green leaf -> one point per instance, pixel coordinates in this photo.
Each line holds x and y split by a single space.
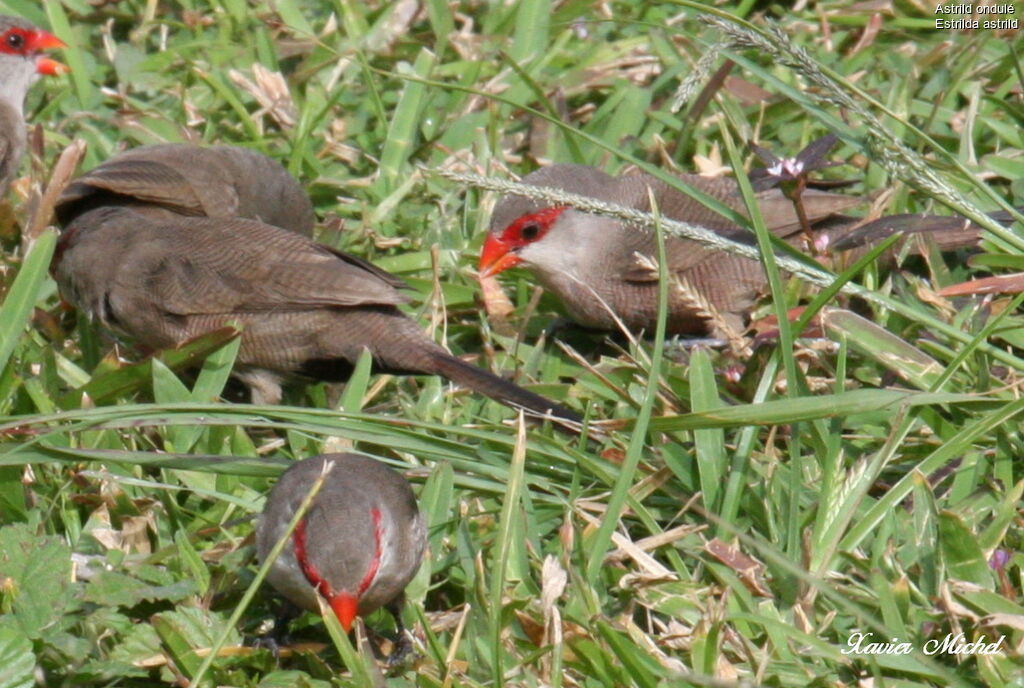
167 388
140 642
961 552
709 444
532 24
188 629
193 562
16 309
291 679
881 345
125 380
39 571
215 372
358 383
17 662
115 589
402 136
784 411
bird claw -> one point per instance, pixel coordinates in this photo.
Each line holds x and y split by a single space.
404 650
270 643
689 344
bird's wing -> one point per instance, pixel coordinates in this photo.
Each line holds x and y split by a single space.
637 249
638 259
202 265
149 181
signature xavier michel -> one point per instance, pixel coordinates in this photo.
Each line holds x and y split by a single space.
953 644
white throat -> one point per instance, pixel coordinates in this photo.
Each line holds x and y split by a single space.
573 251
17 74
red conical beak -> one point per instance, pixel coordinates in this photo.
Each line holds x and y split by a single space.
496 256
43 40
346 608
50 67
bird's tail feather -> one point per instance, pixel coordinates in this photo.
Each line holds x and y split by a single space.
504 391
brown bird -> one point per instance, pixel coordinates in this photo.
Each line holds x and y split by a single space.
170 179
358 545
21 63
602 269
306 310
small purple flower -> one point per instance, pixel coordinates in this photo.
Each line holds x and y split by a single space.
786 168
779 170
999 559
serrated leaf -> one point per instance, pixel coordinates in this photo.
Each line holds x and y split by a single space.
115 589
39 569
17 662
184 631
140 643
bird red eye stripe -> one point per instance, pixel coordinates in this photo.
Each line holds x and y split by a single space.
501 249
308 570
378 536
18 41
15 41
519 233
344 603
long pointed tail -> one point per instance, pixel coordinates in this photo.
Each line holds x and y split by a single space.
949 232
504 391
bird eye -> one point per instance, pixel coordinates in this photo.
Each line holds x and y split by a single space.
530 232
15 41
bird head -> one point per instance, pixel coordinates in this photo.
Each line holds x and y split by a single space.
502 249
20 39
344 586
546 239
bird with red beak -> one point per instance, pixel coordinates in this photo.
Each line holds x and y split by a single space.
21 63
167 243
358 545
605 272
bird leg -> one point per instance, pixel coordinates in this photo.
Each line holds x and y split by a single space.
404 648
686 345
278 637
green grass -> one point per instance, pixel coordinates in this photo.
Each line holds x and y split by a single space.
741 520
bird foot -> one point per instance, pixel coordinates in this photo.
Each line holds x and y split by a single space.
275 634
403 650
559 326
687 345
269 643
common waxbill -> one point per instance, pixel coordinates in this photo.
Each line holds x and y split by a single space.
358 545
169 179
601 268
306 310
21 63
